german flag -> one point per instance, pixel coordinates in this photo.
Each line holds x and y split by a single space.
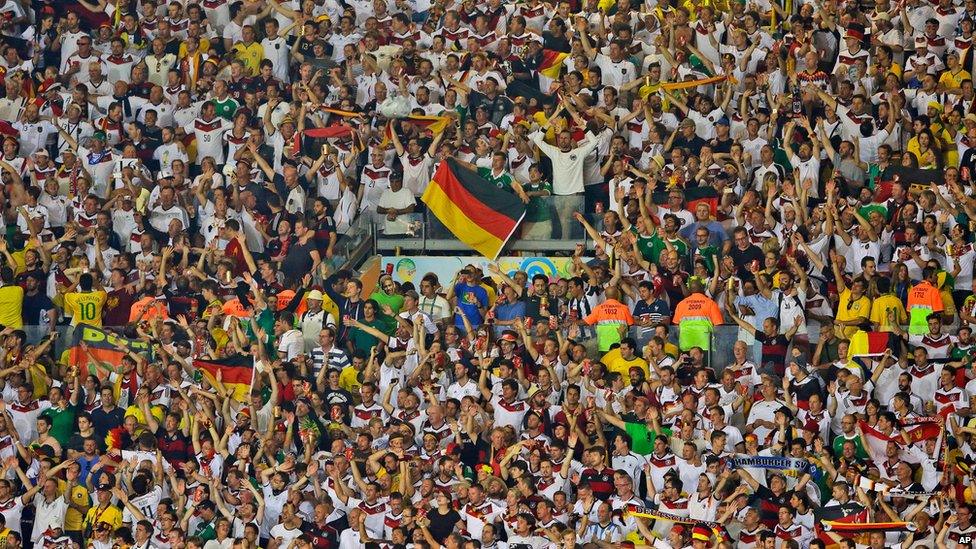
847 513
236 373
436 125
552 63
473 209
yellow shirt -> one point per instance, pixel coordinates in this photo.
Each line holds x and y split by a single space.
649 89
85 307
110 514
204 47
924 164
950 153
954 81
11 304
492 295
895 69
349 380
251 56
38 379
880 308
73 518
615 362
849 310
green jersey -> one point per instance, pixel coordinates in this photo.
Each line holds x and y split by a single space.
642 437
395 301
226 108
503 180
538 207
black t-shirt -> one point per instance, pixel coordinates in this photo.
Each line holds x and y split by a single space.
324 227
721 146
298 262
742 259
556 43
35 308
535 310
275 245
175 448
497 107
77 442
103 421
694 144
601 481
442 525
803 391
323 537
339 397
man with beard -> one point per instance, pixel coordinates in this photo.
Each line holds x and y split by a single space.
38 309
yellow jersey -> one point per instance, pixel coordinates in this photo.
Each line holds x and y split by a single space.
349 380
251 56
85 307
11 305
849 309
73 518
110 515
615 362
953 81
879 312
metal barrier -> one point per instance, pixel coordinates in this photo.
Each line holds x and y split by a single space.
430 235
356 245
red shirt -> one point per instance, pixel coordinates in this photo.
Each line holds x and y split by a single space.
235 252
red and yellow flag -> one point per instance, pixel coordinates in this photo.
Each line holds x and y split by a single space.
342 113
328 132
682 84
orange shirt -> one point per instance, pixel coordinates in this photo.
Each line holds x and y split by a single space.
923 300
233 307
152 307
284 297
698 305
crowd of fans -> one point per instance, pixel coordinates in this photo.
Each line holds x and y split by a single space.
183 174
